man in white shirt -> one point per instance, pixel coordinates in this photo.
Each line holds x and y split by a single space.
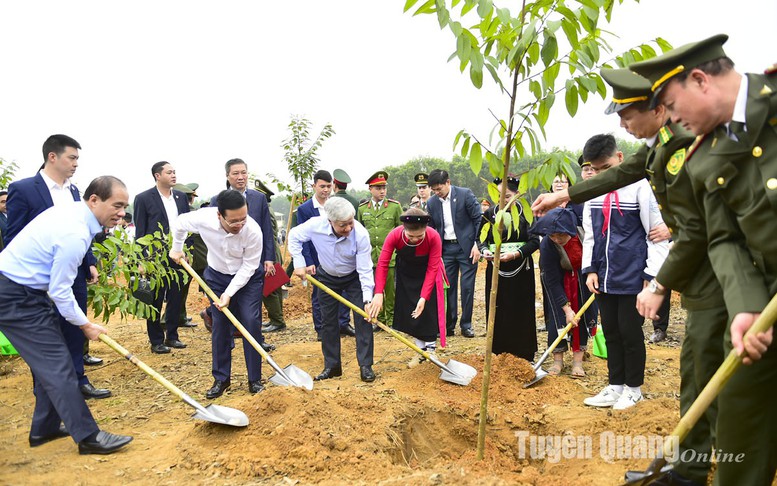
234 242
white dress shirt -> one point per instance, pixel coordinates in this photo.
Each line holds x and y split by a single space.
170 208
59 194
449 233
231 254
338 256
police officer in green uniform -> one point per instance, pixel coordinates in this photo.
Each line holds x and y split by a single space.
341 179
380 215
732 165
273 302
184 321
422 188
687 268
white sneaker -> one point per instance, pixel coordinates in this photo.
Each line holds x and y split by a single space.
605 398
629 398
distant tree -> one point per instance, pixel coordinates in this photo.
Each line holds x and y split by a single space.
301 154
7 171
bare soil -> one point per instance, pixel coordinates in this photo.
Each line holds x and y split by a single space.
408 427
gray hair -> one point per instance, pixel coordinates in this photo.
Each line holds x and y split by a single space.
339 209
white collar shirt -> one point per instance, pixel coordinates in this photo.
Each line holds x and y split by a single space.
449 233
60 194
171 209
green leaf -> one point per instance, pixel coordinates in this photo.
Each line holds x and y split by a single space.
484 231
527 210
516 215
494 166
663 44
493 192
443 16
534 52
458 136
484 8
426 8
465 147
549 50
409 4
647 51
476 76
571 99
496 234
570 31
475 158
507 221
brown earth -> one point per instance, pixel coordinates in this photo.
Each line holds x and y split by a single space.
408 427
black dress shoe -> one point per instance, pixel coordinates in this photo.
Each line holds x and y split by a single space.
89 391
274 328
367 374
329 373
376 328
265 326
37 440
267 347
174 343
159 349
255 386
318 336
104 443
207 319
90 360
448 333
188 323
468 333
347 330
218 389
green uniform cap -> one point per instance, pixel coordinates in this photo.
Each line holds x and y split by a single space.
379 178
341 176
259 186
661 69
628 88
583 162
183 188
421 179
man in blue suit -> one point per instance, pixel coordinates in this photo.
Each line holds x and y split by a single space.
456 216
29 197
322 189
157 206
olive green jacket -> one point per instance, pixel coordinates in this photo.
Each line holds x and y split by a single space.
379 224
349 198
687 268
737 182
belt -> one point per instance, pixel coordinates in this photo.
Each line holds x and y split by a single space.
450 241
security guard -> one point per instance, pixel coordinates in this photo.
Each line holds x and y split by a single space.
732 165
273 302
422 188
380 215
341 179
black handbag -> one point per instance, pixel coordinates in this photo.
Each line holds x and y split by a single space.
143 292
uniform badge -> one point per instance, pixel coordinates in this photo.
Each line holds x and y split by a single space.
675 162
665 134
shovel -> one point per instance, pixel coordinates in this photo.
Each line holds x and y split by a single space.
732 362
212 413
454 371
288 376
539 373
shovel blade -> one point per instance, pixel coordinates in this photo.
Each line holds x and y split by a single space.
538 375
222 415
657 469
457 372
294 376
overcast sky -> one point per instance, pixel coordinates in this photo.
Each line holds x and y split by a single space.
197 83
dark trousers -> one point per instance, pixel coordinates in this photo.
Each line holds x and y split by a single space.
246 305
663 314
456 261
171 292
330 330
74 338
30 321
625 341
700 357
274 305
342 314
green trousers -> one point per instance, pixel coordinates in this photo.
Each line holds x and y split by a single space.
747 423
700 357
274 305
386 315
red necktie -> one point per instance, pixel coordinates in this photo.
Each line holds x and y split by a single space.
606 210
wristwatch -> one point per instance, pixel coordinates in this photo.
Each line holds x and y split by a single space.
655 288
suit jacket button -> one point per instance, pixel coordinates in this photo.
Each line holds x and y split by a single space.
757 151
721 181
772 183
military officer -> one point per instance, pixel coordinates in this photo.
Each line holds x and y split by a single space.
273 303
379 215
732 165
341 179
422 186
687 268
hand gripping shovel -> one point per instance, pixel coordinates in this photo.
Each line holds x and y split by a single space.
732 362
212 413
454 371
288 376
539 373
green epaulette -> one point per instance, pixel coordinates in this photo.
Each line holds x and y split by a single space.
665 135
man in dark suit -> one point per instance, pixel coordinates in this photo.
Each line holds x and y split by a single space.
157 206
456 216
27 198
3 218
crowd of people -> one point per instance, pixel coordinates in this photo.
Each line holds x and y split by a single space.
690 211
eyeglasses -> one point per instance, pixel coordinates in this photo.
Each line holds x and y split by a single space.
235 224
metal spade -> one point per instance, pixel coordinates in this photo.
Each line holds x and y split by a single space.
453 371
539 373
288 376
212 413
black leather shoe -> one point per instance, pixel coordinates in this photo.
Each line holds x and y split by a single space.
90 360
329 373
89 391
207 319
174 343
367 374
468 333
218 389
37 440
347 330
267 347
265 326
448 333
105 443
255 386
188 323
274 328
376 328
318 336
159 349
